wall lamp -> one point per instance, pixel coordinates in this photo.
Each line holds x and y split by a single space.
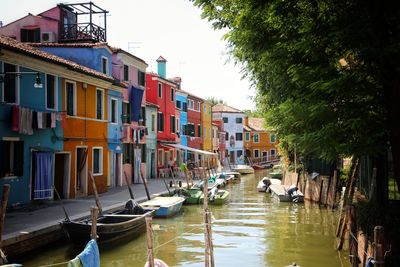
38 80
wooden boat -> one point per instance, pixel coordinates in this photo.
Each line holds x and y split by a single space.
110 227
262 166
264 183
192 195
229 178
283 194
275 175
243 169
164 206
220 197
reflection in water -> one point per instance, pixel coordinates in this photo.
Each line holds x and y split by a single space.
252 230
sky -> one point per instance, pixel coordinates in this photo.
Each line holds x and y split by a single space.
170 28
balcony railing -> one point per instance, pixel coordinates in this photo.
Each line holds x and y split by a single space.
83 32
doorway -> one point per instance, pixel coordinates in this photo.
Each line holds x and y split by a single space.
61 174
153 165
232 157
81 171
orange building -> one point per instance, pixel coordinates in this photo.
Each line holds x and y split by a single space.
259 143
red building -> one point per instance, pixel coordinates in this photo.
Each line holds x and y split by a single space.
161 92
194 121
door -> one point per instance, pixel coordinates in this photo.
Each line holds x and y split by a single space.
232 157
81 171
61 174
42 175
153 165
117 170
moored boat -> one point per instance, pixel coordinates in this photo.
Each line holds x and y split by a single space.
218 197
164 206
264 184
127 223
286 194
191 195
243 169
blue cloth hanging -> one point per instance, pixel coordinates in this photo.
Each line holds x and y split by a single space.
43 175
90 256
135 100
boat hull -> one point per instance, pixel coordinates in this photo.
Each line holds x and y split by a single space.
110 228
244 169
164 206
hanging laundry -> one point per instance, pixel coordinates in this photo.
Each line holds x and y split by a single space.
29 122
53 120
40 120
25 121
34 120
15 118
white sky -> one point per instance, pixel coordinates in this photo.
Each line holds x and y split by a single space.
170 28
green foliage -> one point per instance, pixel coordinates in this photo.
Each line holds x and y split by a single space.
323 70
213 101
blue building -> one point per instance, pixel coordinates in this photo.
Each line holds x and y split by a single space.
181 105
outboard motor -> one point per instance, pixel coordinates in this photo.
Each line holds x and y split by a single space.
267 183
292 192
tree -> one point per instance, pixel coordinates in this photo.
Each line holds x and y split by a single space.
327 72
213 101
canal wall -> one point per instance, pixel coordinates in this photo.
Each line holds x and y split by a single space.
317 188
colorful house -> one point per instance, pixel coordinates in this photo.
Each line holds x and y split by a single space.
181 106
56 142
219 143
259 143
161 92
233 125
151 140
130 71
206 120
194 124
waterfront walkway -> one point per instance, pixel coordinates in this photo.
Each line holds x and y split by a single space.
38 217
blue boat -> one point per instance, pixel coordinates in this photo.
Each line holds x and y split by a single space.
164 206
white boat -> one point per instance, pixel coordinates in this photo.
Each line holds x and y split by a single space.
264 184
286 194
243 169
164 206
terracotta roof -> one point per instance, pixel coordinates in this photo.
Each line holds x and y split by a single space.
26 49
257 124
120 50
98 44
247 128
190 94
225 109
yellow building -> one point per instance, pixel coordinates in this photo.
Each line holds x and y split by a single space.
206 120
259 143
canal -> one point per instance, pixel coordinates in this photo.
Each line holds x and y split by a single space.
252 230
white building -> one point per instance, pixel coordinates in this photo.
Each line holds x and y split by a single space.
233 126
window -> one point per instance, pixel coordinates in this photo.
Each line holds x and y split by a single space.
126 73
172 94
141 78
191 129
184 106
184 129
198 130
272 152
264 155
126 111
160 90
178 104
256 153
114 110
153 122
247 137
70 88
51 92
97 164
239 136
272 138
10 84
172 124
239 153
30 35
99 104
225 119
256 138
190 104
239 120
160 122
177 125
226 136
104 65
198 106
12 157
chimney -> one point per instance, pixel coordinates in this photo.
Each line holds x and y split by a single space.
178 81
246 121
162 67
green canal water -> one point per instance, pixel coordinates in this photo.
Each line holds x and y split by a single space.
251 230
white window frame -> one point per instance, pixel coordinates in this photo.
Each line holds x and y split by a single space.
102 104
266 152
270 152
55 92
177 126
17 81
254 153
198 106
75 96
106 58
247 134
100 159
159 90
153 126
254 138
116 110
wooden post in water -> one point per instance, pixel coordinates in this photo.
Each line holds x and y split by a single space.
206 251
94 212
128 185
149 234
378 249
96 195
3 208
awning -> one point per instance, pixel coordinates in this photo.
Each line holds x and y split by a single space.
178 146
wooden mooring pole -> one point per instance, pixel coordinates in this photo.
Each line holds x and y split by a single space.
3 207
94 213
96 194
149 234
208 244
378 248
